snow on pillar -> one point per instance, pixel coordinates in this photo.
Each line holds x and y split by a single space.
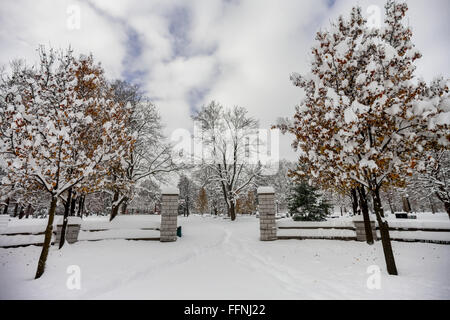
267 226
169 214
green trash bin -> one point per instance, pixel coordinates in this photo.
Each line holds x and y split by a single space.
179 231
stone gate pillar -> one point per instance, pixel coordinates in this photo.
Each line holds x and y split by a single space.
361 229
267 226
169 214
72 230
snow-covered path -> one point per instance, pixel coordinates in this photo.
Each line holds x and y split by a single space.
220 259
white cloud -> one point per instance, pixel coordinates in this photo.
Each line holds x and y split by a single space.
237 52
28 23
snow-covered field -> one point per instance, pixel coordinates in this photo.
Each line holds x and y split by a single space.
220 259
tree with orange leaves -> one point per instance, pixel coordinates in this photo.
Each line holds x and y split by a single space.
202 201
364 119
59 128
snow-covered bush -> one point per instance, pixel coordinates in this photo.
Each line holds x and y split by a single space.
305 203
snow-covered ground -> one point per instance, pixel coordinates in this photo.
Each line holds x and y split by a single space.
220 259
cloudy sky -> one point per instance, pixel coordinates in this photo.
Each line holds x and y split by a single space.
187 53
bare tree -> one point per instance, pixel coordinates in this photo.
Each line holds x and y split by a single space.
434 178
226 140
151 156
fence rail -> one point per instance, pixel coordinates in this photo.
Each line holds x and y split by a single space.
138 228
162 227
331 230
313 228
144 234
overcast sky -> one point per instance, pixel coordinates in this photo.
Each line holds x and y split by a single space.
186 53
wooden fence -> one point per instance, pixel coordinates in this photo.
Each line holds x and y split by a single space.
128 227
405 231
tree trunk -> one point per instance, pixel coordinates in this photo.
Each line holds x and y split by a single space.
48 238
384 232
409 205
124 206
73 205
365 212
446 203
447 208
21 212
80 206
225 196
406 204
66 218
114 212
390 204
116 205
232 210
187 206
28 211
377 203
354 202
16 208
83 199
5 211
433 210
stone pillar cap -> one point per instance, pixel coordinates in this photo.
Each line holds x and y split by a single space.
265 190
170 191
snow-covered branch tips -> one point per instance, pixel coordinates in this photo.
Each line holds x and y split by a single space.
61 128
229 142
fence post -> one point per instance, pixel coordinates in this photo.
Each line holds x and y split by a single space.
358 221
169 214
72 230
267 226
